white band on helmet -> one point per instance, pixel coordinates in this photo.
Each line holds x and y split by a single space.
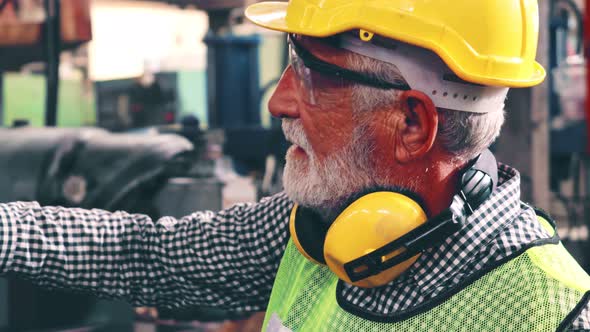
424 71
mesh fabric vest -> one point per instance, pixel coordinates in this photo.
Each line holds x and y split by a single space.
533 291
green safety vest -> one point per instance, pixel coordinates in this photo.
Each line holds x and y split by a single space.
535 290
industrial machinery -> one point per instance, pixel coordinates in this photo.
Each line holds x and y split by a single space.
150 172
128 104
161 174
568 123
33 30
235 96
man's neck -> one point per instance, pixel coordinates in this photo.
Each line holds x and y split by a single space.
436 182
438 195
435 188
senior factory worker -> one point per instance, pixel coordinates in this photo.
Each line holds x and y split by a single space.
395 216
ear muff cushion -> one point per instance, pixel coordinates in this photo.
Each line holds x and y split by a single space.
372 222
308 231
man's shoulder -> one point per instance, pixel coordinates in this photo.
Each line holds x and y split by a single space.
277 203
269 204
548 252
561 265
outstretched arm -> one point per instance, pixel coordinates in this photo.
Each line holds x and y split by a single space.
226 259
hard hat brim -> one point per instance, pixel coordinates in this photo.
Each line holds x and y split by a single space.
273 15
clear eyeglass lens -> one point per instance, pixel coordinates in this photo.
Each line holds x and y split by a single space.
303 75
316 87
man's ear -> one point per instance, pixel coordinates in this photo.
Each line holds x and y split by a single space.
417 135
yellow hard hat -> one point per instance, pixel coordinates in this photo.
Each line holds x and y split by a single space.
489 42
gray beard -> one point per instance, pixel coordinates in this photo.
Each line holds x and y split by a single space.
326 186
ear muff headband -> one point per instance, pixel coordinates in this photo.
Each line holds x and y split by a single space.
380 235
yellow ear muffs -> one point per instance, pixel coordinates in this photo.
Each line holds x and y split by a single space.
369 223
380 235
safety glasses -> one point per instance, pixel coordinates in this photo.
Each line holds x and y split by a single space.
320 81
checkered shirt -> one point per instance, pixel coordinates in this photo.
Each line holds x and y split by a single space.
229 259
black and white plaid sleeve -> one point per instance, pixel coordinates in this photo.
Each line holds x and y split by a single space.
226 259
582 323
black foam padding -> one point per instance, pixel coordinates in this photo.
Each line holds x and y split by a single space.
487 163
479 181
311 232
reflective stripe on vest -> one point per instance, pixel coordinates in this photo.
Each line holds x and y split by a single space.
534 291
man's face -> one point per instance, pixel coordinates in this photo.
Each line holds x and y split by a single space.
328 159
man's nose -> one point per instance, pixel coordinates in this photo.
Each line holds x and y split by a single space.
284 101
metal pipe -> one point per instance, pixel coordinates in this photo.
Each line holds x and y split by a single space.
586 54
52 51
1 98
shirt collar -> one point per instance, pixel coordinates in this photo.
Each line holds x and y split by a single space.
480 228
445 266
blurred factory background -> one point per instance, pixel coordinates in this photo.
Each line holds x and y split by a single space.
159 107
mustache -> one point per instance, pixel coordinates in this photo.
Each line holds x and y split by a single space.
294 133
